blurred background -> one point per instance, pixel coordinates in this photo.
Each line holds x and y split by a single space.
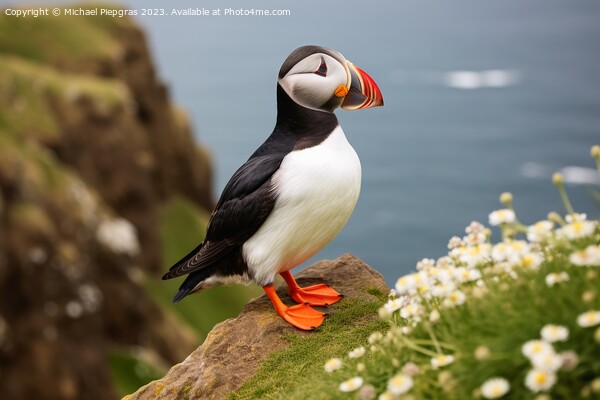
118 134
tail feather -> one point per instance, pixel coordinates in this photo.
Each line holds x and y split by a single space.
181 294
191 282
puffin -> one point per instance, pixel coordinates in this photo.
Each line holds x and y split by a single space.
295 192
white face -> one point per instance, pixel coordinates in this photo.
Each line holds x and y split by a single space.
313 81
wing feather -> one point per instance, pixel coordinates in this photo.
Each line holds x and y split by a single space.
245 204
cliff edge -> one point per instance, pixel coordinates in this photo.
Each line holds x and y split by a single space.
92 154
235 350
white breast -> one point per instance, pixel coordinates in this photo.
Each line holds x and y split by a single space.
317 189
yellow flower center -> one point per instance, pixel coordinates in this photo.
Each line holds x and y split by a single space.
540 378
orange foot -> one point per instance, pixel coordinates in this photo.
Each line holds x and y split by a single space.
301 316
317 295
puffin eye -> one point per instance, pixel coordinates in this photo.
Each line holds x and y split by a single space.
322 71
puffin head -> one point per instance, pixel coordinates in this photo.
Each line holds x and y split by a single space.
322 79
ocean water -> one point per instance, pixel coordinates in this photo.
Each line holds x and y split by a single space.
480 98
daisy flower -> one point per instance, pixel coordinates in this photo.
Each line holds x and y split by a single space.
534 347
454 299
549 362
357 353
386 396
554 278
475 227
540 231
399 384
411 369
351 384
590 256
539 381
503 216
554 333
570 360
494 388
412 311
375 337
442 360
333 365
454 242
588 319
577 229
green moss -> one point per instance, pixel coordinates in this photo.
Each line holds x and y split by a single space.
28 91
52 40
297 372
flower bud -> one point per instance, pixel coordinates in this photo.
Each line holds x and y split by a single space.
506 198
558 179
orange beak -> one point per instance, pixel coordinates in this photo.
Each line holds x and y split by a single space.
363 92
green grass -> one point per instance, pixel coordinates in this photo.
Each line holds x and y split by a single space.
61 40
295 372
130 370
29 91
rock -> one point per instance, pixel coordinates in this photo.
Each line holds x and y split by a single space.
234 349
86 137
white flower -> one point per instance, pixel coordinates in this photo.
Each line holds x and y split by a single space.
454 242
553 278
375 337
549 361
411 369
399 384
589 319
412 311
357 353
367 392
443 290
495 388
570 218
531 261
539 231
392 305
482 353
538 381
444 262
351 384
473 239
411 282
475 227
442 360
387 396
570 360
333 365
462 274
503 216
454 299
577 229
534 347
425 264
473 255
434 316
590 256
554 333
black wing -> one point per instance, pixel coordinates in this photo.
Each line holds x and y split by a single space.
245 204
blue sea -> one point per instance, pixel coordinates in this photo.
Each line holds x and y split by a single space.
481 97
